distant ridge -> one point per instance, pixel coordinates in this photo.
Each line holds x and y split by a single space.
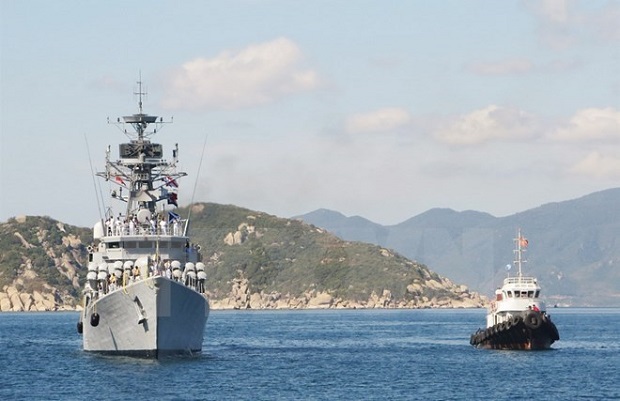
354 228
447 218
574 245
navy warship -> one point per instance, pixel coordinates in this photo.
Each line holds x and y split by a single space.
144 289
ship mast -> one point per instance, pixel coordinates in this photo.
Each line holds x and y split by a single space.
521 244
141 170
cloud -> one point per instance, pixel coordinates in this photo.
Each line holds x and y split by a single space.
557 23
598 165
561 66
520 66
591 124
562 24
505 67
108 82
555 11
606 22
253 76
382 120
493 123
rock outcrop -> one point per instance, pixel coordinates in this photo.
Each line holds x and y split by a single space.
241 297
39 264
12 300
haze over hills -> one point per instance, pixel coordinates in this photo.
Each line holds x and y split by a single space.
574 246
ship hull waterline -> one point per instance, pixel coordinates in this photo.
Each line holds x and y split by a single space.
153 317
518 334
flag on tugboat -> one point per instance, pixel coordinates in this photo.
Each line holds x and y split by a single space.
524 242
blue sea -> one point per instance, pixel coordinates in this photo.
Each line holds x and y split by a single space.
319 355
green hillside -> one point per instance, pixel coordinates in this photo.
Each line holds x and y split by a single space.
289 256
43 255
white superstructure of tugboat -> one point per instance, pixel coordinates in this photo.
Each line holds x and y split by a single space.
144 290
517 317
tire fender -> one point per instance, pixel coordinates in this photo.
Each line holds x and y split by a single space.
533 320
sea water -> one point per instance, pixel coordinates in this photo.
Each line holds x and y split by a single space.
319 355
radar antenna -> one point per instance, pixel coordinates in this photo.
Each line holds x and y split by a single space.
140 92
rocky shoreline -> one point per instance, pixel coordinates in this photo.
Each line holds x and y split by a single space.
241 297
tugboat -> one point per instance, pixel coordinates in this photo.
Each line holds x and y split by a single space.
517 319
144 290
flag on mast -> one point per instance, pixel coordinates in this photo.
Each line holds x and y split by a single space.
172 199
171 182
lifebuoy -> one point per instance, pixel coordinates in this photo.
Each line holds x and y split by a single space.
533 320
94 319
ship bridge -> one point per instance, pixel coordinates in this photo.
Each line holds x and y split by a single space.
520 287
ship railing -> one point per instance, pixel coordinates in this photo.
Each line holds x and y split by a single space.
520 280
121 226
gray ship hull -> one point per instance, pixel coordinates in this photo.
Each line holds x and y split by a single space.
150 317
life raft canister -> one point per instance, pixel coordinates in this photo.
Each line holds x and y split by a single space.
94 319
533 320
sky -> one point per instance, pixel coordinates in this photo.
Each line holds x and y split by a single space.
382 109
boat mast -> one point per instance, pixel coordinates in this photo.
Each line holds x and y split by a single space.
521 244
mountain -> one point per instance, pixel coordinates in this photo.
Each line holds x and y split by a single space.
353 228
574 246
253 260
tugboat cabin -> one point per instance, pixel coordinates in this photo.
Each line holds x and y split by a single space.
518 294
